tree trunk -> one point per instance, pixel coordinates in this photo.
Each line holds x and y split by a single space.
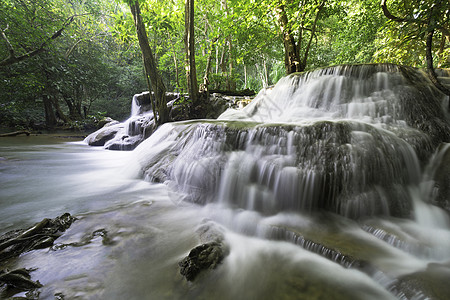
50 117
291 57
208 64
58 110
245 76
313 31
191 73
151 70
230 80
177 76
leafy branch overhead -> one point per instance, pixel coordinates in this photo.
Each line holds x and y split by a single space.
13 58
433 17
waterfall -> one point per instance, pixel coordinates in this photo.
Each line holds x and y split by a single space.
346 139
135 107
127 135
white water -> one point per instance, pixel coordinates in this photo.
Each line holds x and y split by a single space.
261 185
328 94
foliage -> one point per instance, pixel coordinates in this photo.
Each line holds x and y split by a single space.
95 61
82 68
404 42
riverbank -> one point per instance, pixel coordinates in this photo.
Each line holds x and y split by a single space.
51 134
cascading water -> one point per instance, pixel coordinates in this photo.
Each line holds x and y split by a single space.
127 135
333 185
340 139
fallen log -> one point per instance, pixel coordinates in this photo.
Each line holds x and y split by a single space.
15 133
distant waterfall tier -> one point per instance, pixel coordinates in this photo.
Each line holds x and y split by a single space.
351 140
386 95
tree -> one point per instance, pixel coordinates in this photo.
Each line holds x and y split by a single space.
152 73
82 66
295 61
191 72
422 21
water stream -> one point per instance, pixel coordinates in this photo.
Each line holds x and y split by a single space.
323 188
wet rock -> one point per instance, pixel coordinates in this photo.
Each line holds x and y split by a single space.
19 278
203 257
123 143
101 136
431 283
207 255
107 122
87 239
18 281
59 296
41 235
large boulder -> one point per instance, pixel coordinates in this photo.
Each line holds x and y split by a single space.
106 133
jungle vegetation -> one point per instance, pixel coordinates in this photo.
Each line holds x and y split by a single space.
70 62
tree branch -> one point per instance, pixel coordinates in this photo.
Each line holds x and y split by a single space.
12 58
320 7
8 44
388 14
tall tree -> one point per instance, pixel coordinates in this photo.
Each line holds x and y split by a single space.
152 73
295 60
189 38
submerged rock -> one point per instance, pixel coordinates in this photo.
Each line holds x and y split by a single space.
19 278
431 283
14 243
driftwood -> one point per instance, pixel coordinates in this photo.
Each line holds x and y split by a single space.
15 133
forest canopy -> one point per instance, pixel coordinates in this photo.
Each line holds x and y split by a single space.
66 62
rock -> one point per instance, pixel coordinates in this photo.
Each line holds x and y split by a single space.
41 235
101 136
431 283
19 278
207 255
18 281
107 122
87 239
124 143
